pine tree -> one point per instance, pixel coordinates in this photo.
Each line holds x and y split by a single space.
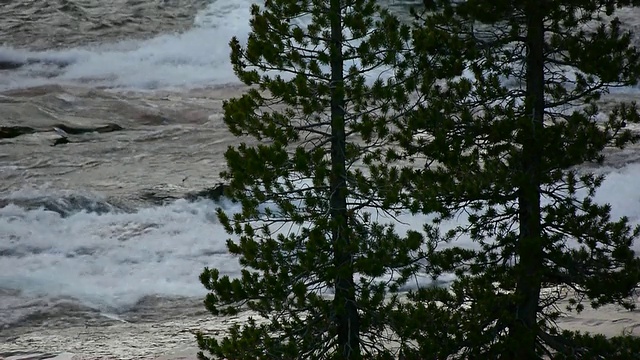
507 140
309 184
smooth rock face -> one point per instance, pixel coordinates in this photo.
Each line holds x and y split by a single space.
167 333
122 145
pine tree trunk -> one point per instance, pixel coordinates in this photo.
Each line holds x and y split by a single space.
346 317
530 246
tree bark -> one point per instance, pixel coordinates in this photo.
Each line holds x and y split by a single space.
346 317
530 246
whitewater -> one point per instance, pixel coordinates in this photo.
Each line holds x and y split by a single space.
98 227
97 232
197 57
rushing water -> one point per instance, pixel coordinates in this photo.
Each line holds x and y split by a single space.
82 230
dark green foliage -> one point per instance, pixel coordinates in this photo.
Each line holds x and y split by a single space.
506 143
312 179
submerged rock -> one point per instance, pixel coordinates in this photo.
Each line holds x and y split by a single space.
60 141
157 197
163 197
213 193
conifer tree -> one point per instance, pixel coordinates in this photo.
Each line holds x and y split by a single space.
316 122
507 140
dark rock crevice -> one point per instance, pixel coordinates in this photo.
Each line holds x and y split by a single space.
16 64
8 132
77 130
